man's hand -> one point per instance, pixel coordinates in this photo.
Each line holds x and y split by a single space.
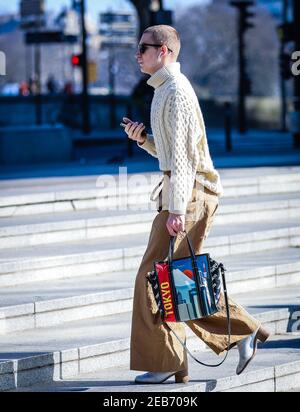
175 224
135 130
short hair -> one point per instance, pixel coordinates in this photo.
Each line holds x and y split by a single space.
165 35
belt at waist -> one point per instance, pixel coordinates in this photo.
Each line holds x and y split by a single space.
200 185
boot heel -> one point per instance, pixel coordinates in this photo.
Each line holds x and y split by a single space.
262 334
182 376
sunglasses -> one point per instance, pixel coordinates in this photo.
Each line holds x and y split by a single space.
144 46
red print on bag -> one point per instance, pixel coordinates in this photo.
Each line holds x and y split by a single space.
165 290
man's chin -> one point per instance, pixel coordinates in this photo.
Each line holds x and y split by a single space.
143 70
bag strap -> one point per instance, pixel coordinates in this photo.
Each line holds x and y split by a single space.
222 269
171 248
192 252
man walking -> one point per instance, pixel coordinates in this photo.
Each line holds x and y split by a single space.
188 202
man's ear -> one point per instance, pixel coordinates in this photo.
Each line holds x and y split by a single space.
165 50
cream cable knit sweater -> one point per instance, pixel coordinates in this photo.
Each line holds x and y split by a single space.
179 138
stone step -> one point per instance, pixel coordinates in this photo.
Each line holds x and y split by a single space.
89 257
291 390
40 196
44 304
59 352
73 181
276 368
22 231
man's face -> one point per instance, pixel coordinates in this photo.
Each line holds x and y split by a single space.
153 58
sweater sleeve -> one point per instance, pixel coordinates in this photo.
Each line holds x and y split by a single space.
149 145
182 124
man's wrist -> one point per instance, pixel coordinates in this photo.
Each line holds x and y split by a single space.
141 142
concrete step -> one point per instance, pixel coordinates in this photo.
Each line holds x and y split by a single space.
89 257
72 181
276 368
44 304
31 230
59 352
93 345
40 196
291 390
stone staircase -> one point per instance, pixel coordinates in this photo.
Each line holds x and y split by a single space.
67 287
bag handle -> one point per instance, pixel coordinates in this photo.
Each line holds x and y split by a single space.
171 247
192 253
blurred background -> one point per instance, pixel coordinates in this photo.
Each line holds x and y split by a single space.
69 75
75 209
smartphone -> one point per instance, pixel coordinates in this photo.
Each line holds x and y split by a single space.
124 125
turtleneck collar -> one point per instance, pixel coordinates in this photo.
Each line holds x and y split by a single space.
161 75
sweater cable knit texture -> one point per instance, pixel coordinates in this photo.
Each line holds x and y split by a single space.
179 138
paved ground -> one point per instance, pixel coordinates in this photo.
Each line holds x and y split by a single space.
282 348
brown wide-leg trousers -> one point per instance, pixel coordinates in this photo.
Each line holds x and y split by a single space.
153 347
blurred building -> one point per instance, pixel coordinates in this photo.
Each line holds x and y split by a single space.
8 23
275 7
20 58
